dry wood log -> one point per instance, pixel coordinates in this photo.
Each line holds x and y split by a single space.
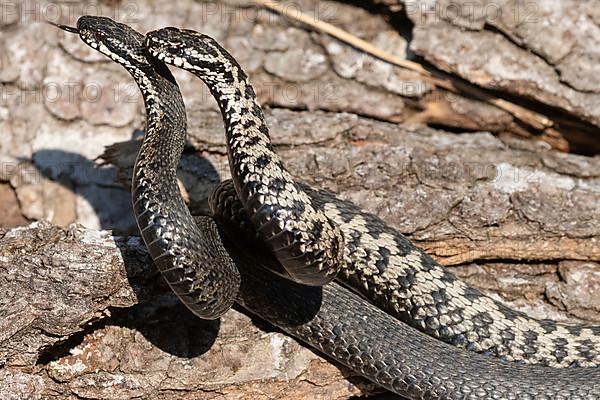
544 54
82 313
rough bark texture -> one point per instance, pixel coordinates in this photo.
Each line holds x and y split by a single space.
83 315
545 53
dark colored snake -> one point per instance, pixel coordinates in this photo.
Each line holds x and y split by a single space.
377 261
205 269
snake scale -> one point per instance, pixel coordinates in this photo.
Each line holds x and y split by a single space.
375 260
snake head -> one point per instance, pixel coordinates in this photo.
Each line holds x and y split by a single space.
192 51
113 39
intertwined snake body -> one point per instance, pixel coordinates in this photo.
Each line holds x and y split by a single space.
191 255
377 260
166 225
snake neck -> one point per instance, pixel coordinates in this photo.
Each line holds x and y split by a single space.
246 131
166 123
242 114
308 245
199 273
154 184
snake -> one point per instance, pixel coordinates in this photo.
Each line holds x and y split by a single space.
377 261
192 253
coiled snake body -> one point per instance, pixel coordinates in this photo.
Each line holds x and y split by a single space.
376 260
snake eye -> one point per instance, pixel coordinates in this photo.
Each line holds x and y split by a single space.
173 50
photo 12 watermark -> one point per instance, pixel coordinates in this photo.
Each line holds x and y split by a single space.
471 11
282 92
53 91
71 92
245 12
66 12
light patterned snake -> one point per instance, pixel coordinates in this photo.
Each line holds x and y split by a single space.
377 261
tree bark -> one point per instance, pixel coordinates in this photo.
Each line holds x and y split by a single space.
544 54
84 315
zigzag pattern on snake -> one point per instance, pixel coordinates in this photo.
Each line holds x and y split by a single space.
377 261
331 319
